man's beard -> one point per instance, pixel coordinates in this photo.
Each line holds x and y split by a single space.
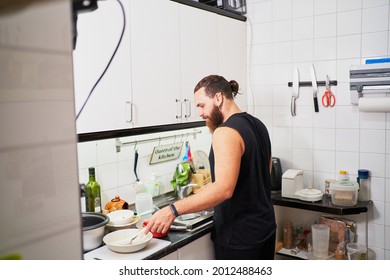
215 119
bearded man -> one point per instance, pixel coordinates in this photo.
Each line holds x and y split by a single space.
244 224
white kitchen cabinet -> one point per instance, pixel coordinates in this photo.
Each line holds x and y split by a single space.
232 55
171 256
155 61
166 49
200 249
198 54
109 107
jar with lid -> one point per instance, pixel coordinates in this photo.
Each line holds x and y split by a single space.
364 185
343 175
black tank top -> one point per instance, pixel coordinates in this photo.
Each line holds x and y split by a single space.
247 218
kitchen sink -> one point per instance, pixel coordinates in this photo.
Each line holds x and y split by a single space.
192 221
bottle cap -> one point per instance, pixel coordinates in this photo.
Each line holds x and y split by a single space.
343 172
363 174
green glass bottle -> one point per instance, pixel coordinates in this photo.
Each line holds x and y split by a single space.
92 192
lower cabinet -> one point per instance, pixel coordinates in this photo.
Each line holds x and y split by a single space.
200 249
172 256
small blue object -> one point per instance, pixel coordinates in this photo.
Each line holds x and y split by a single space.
377 60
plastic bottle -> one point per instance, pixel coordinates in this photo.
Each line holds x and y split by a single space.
364 185
153 185
288 235
93 194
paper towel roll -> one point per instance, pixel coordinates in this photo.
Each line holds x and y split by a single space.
374 104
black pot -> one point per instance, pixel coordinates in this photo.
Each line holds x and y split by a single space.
276 175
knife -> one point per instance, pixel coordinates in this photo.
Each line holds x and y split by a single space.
295 91
315 88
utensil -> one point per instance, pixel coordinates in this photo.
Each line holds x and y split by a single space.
130 239
295 91
111 240
315 88
135 165
328 99
189 216
145 213
179 228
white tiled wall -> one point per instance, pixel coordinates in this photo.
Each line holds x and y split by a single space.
114 170
331 35
38 163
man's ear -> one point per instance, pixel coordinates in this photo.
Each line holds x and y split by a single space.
218 97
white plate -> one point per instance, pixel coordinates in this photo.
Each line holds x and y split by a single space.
200 158
133 222
112 238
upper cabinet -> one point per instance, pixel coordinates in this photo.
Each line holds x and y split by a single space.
232 55
109 106
166 49
155 53
198 53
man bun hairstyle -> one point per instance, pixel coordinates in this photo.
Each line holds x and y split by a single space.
214 84
234 86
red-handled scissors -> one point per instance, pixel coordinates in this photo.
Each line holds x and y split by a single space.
328 99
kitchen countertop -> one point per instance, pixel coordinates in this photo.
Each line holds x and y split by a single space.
176 238
157 249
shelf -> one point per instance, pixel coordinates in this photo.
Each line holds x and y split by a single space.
325 205
287 252
102 135
302 255
212 9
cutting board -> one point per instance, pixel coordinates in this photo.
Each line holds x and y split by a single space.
104 253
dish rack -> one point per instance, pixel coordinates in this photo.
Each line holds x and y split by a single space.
236 6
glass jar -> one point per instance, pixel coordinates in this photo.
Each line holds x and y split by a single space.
343 175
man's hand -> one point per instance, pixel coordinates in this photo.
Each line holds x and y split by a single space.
160 221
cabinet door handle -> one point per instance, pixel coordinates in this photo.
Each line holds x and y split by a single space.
188 108
178 101
129 111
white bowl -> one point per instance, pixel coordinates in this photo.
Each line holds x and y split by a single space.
113 239
120 217
132 224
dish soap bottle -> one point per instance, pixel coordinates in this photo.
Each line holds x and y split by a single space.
92 192
153 185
